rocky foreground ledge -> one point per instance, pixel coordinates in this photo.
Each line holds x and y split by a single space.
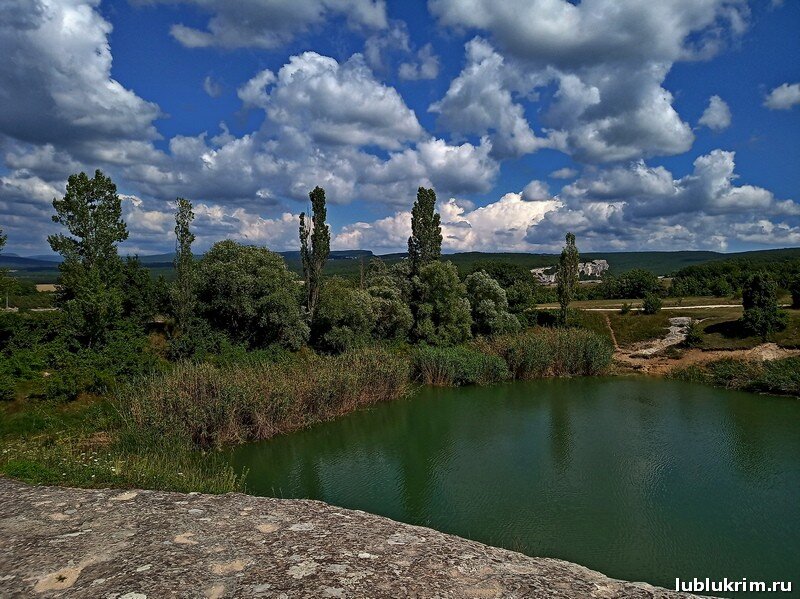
58 542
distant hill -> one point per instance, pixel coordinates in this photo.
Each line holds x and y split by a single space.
348 262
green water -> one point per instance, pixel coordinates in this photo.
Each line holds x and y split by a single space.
641 479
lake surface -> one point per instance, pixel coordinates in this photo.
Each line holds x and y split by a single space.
641 479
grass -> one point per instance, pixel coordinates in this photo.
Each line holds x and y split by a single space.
85 444
721 331
780 377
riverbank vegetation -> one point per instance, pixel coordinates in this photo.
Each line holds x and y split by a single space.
779 377
138 381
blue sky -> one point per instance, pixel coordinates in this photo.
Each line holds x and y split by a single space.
637 125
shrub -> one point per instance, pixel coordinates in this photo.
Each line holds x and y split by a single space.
694 336
651 304
760 300
461 365
626 308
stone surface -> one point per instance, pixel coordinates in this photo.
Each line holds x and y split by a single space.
59 542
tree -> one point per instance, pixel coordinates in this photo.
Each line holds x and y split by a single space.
794 289
183 292
425 243
314 255
90 282
443 311
139 292
520 286
567 276
760 301
393 318
6 283
344 317
248 293
489 306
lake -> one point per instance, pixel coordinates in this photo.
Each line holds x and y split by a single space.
639 478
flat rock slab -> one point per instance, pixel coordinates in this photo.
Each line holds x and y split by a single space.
59 542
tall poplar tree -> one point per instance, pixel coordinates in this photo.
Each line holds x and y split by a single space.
315 253
91 272
183 289
425 243
567 276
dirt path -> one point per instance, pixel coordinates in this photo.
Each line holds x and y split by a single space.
662 364
611 330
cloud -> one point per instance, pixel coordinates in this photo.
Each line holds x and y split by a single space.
260 24
640 206
57 80
609 60
481 101
783 97
212 87
564 173
717 115
336 103
500 225
425 67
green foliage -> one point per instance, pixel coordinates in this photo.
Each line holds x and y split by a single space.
182 293
425 243
626 308
694 335
651 304
7 387
716 278
393 318
794 289
443 311
521 288
344 317
489 304
636 283
461 365
248 293
211 406
313 256
543 352
139 292
567 276
776 376
760 300
90 293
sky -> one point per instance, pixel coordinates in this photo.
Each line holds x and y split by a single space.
637 125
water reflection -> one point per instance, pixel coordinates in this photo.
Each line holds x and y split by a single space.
641 479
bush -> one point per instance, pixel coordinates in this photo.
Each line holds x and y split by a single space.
213 406
760 301
651 304
448 366
694 336
626 308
